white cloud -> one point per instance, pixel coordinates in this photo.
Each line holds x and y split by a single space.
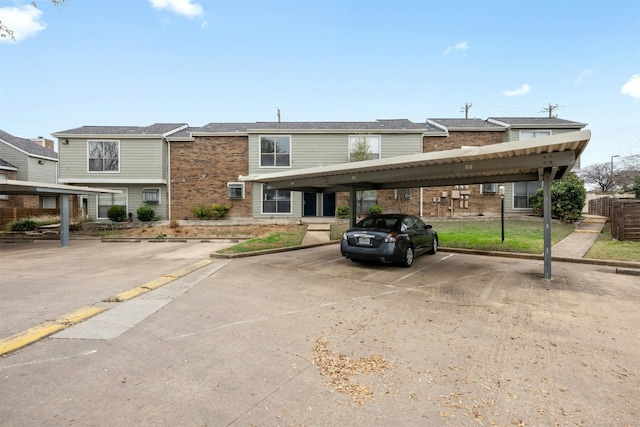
462 46
522 90
24 21
584 74
632 87
182 7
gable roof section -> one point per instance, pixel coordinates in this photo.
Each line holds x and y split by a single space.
7 166
536 122
378 126
468 125
156 130
27 146
505 162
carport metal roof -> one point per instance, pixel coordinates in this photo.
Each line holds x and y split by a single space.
506 162
17 187
535 159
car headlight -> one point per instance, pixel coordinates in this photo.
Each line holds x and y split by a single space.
344 236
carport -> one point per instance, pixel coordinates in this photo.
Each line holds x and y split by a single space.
539 159
16 187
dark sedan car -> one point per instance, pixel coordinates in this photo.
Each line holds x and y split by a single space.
389 238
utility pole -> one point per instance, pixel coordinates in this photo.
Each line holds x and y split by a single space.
550 109
278 114
466 108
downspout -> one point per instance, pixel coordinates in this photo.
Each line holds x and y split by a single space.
421 201
168 178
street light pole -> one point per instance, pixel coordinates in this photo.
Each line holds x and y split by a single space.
501 191
612 171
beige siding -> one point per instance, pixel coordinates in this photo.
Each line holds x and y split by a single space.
45 172
312 150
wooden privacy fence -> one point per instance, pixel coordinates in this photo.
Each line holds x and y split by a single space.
11 214
601 206
625 220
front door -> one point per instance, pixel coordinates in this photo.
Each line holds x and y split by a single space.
328 204
309 204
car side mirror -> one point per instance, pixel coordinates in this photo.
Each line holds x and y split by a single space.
429 226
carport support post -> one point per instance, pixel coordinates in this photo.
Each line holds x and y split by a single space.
352 207
546 208
64 220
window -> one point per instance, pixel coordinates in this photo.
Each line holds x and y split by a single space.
151 195
275 151
105 201
488 188
403 193
235 190
48 202
104 156
522 193
276 201
364 147
530 134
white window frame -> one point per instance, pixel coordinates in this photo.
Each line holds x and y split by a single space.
275 165
537 133
150 190
263 199
235 185
89 141
408 193
376 148
124 194
514 194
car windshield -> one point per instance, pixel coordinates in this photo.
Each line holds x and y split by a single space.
378 222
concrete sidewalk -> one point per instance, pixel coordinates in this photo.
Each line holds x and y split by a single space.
578 243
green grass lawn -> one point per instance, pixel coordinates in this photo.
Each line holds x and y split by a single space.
607 248
291 237
522 234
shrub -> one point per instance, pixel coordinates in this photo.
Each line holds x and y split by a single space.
145 213
200 211
215 211
343 212
219 211
375 210
24 224
117 213
567 199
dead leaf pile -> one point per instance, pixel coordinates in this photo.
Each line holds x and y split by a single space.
340 368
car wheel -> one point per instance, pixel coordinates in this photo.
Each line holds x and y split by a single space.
434 247
408 257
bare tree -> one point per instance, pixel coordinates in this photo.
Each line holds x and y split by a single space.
611 176
600 175
8 32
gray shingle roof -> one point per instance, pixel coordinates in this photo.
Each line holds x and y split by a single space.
5 164
27 146
467 123
154 129
537 122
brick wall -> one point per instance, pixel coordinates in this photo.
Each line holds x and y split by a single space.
485 204
200 171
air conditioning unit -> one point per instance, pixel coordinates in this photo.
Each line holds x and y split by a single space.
489 188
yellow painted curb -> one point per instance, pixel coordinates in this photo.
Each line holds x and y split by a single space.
31 335
156 283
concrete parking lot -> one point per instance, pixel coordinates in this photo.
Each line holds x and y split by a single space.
308 338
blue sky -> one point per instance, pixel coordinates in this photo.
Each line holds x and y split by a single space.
138 62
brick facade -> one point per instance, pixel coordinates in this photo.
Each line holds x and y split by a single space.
200 171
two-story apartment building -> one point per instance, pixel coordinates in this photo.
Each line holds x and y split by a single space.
28 160
175 167
132 159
